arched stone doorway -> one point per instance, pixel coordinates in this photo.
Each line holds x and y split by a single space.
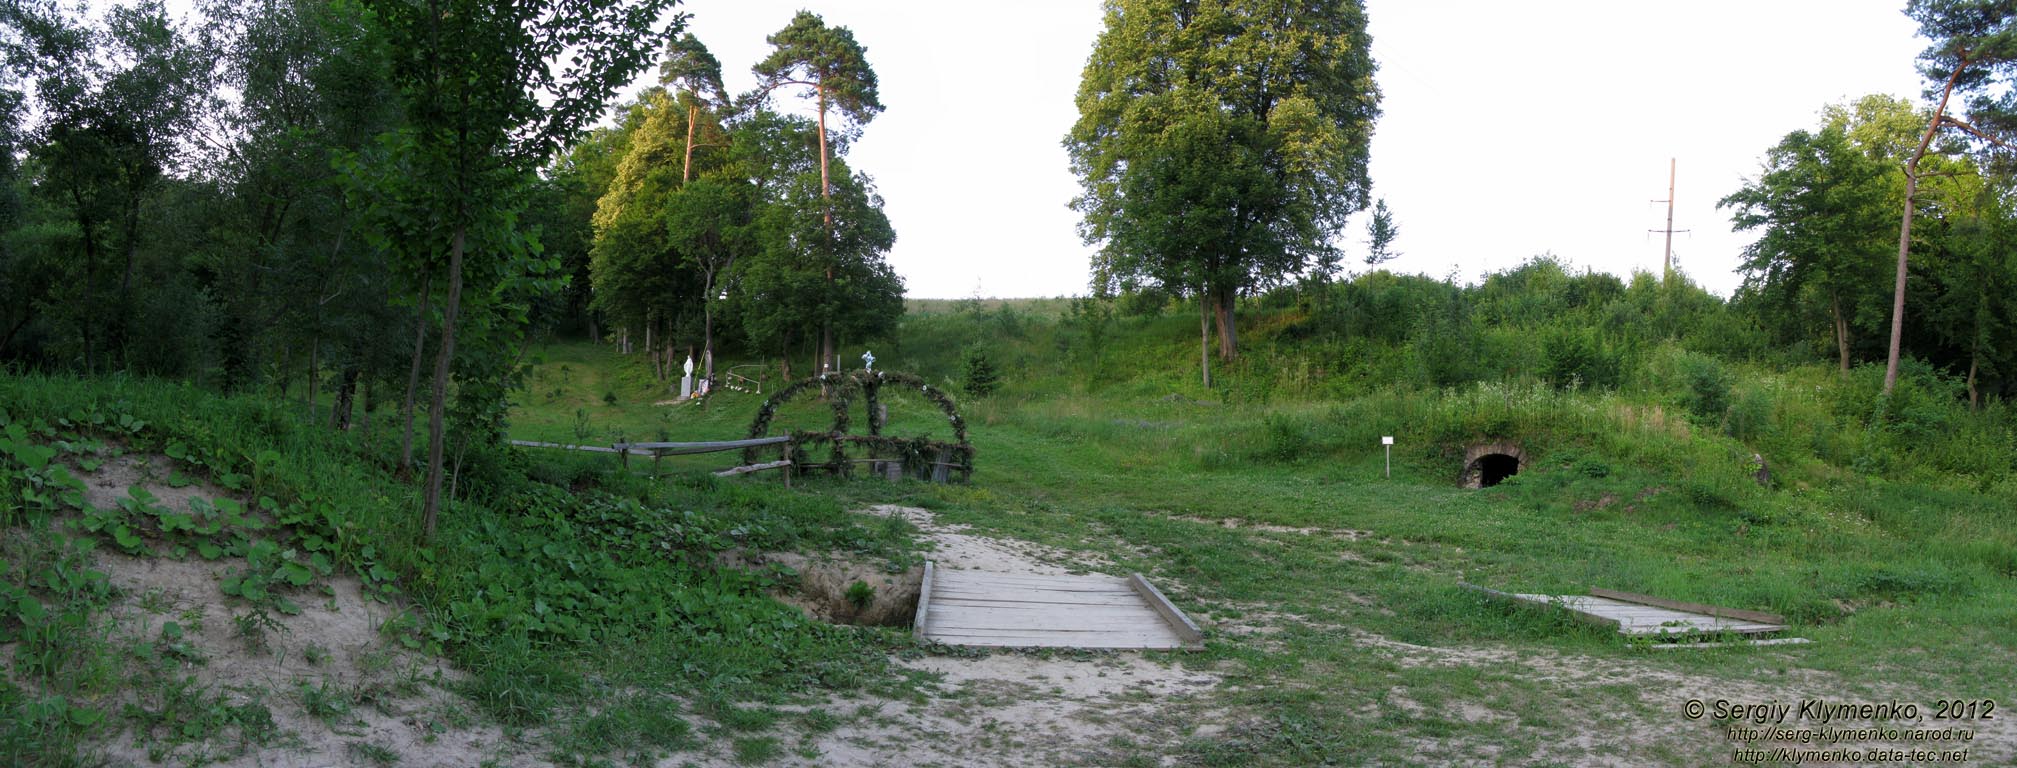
1489 464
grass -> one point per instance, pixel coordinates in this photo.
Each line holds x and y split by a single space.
583 600
1898 559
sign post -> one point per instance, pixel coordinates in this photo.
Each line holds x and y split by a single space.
1388 443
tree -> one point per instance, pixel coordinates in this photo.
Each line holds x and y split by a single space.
708 221
1285 87
637 274
692 71
1821 203
845 288
1381 231
1974 52
116 106
492 89
834 70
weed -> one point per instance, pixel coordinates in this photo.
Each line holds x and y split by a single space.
375 754
757 750
252 627
860 595
326 701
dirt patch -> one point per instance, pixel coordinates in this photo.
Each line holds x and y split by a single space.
1646 698
952 547
841 590
1016 710
116 478
338 689
1250 525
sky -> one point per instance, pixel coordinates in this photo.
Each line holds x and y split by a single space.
1508 129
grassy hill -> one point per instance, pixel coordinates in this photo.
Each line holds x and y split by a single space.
594 612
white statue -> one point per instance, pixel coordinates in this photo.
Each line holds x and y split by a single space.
868 360
689 365
686 382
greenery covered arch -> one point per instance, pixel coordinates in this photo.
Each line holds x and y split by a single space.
843 389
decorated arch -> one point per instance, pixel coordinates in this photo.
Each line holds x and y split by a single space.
921 456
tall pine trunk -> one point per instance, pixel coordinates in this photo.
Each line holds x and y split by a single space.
442 360
826 351
1905 227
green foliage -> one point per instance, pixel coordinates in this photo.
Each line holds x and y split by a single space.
979 377
1705 387
1580 358
1220 152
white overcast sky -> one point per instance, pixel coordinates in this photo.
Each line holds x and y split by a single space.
1509 129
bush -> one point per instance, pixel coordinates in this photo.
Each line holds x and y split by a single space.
1705 387
1750 414
1576 358
980 378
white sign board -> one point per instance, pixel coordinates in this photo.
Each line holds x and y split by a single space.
1388 440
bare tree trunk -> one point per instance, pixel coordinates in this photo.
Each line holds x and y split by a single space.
365 415
1974 397
413 373
431 511
1205 338
826 197
1905 227
1841 331
346 394
314 363
1229 342
692 115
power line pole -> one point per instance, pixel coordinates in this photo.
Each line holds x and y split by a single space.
1670 230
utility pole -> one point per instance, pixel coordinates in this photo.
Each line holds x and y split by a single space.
1670 230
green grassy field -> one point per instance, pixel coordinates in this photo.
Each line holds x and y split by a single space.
1271 521
592 618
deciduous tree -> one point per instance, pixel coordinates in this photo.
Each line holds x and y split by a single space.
1284 89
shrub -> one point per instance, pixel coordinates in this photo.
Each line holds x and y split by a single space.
1750 414
1705 387
1575 357
980 378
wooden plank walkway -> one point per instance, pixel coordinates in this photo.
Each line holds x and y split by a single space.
1636 615
1030 611
1636 619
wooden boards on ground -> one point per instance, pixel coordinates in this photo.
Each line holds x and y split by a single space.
1635 615
1018 610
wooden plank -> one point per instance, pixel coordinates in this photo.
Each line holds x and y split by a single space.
1031 595
709 446
1014 590
567 447
1540 600
1116 644
1060 639
1013 619
1710 610
1179 623
749 468
953 578
1752 642
1031 578
923 603
1026 610
945 597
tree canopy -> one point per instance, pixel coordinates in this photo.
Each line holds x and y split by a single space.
1245 122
